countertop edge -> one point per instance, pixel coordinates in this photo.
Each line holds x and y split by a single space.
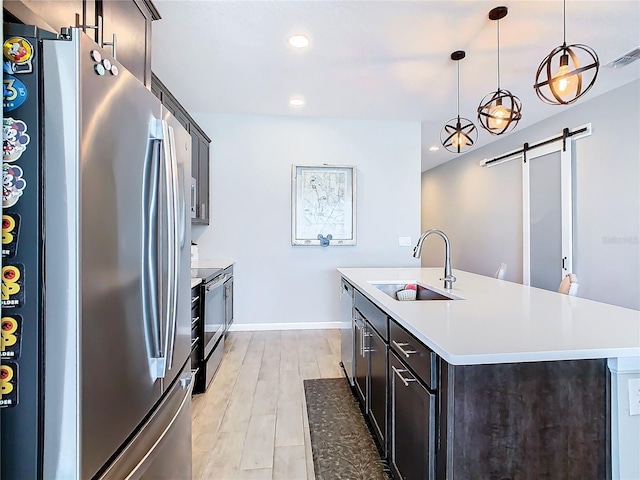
212 263
535 355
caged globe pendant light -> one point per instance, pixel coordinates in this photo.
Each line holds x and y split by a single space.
458 134
567 84
500 111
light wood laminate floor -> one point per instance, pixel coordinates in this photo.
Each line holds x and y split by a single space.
252 421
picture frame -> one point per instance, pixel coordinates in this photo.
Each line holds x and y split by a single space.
323 205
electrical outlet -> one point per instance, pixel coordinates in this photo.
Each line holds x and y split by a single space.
404 241
634 396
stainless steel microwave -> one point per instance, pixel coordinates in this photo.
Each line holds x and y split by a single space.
193 197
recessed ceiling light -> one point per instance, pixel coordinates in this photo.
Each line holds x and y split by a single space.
434 148
296 102
298 41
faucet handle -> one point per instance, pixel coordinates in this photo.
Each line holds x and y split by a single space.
449 278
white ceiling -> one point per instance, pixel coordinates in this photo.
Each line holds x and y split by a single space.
378 60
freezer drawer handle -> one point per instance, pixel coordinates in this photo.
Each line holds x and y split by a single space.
187 397
403 344
399 373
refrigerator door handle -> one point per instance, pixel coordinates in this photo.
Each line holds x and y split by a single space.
174 244
181 187
165 161
153 323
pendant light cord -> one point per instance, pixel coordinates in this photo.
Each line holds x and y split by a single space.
458 62
564 23
498 21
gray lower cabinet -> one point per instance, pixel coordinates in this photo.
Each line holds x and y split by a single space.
378 387
228 299
371 354
412 424
361 364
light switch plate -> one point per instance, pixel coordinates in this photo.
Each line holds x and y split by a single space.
634 396
404 241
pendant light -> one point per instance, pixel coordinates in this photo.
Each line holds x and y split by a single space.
567 84
500 111
458 134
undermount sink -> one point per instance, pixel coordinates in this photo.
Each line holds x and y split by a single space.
422 293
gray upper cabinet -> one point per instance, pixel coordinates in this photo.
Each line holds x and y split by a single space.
200 143
51 15
200 171
129 20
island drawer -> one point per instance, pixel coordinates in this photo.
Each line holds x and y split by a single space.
376 317
414 353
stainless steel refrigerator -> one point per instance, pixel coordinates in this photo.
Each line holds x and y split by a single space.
100 377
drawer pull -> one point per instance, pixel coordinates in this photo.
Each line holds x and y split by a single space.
194 321
194 341
404 344
399 372
193 299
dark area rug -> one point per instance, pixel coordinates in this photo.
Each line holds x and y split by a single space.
342 445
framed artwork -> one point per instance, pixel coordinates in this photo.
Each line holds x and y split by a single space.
323 205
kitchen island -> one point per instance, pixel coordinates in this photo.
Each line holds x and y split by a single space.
517 384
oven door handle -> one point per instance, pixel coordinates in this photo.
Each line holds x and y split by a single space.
212 286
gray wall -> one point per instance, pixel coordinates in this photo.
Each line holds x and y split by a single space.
251 158
481 208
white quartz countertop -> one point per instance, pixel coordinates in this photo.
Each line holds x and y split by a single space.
195 281
502 322
215 263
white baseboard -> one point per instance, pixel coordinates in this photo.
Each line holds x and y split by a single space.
250 327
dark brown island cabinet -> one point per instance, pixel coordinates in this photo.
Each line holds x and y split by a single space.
130 21
512 421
